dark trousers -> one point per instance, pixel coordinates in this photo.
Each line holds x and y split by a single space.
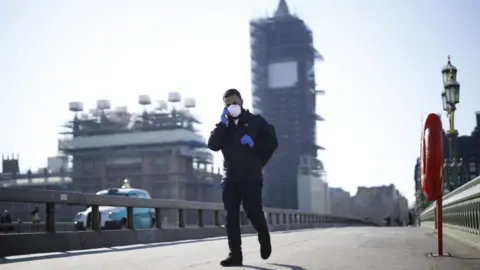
249 195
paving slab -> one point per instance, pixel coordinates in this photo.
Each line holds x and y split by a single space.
368 248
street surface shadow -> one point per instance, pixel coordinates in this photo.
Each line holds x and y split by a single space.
256 267
291 267
466 258
73 253
63 254
286 266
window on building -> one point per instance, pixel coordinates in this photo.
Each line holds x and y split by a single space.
159 161
88 167
472 167
88 164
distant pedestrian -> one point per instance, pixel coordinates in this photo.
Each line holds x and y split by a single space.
6 221
6 218
397 222
411 222
35 214
387 221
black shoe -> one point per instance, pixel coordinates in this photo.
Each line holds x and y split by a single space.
232 260
265 246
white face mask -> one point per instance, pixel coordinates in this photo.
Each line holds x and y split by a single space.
234 110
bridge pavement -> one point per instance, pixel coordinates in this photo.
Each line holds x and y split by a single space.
355 248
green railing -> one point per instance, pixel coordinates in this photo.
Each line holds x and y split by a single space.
461 212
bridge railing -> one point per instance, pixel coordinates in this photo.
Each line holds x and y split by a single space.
53 241
30 227
461 211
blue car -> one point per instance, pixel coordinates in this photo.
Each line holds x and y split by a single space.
115 218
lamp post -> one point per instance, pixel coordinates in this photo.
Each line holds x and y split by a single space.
450 98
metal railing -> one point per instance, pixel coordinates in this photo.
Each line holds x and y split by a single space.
53 241
461 211
30 227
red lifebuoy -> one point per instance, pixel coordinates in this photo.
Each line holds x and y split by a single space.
432 158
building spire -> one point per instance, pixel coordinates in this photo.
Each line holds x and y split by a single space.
282 9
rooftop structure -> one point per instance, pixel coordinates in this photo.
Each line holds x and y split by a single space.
106 127
159 149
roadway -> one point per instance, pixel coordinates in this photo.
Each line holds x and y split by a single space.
366 248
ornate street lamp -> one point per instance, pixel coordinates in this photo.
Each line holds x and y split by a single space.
450 99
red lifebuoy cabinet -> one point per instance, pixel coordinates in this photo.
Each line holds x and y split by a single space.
432 158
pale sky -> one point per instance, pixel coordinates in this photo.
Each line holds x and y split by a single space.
382 67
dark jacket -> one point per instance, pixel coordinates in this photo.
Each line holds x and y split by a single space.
240 162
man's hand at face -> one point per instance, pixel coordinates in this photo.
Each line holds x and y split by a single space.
246 139
224 118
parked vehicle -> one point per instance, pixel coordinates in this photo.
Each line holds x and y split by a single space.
115 218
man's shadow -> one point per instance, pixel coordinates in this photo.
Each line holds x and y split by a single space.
286 266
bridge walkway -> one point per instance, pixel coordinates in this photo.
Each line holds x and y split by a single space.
368 248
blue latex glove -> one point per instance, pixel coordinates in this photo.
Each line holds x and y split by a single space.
246 139
224 118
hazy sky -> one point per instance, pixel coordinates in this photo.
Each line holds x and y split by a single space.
381 72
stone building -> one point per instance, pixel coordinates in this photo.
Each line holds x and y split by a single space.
374 203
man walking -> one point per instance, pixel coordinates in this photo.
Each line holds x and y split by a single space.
247 142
